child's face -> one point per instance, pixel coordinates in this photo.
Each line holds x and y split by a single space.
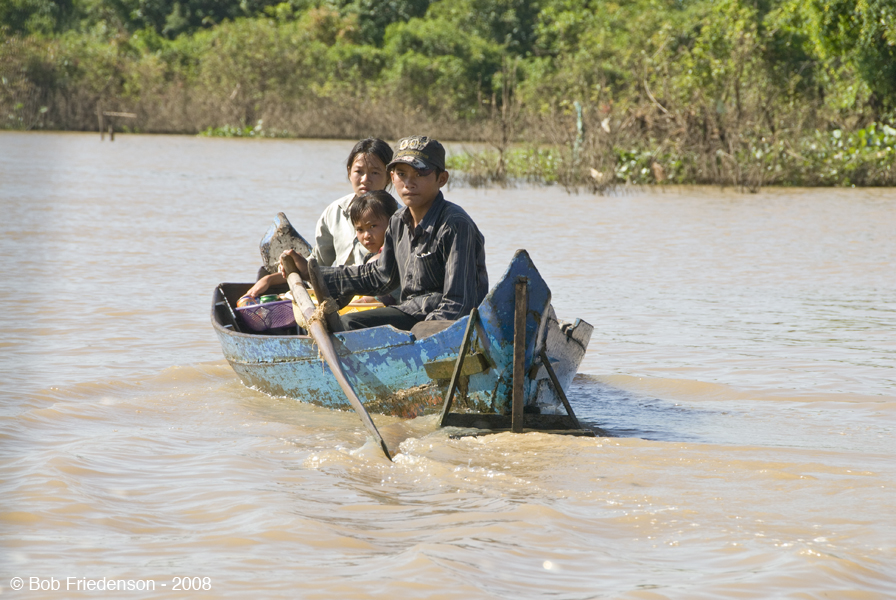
371 231
367 173
414 188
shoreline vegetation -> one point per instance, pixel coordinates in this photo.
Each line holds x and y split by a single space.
578 93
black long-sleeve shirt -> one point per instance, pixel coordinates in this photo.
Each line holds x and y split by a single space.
439 265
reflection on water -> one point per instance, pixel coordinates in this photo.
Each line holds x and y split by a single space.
742 360
622 413
731 418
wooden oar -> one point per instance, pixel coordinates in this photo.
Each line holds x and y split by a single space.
334 325
304 309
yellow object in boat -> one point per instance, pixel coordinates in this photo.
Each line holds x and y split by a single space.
353 306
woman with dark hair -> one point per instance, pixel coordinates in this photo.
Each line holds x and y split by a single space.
334 236
335 241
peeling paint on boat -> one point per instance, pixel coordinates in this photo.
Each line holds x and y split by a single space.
386 365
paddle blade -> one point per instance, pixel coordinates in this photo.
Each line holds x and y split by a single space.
281 236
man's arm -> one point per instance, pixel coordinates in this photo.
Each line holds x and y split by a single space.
370 278
374 278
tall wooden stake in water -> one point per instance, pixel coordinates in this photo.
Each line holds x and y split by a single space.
519 353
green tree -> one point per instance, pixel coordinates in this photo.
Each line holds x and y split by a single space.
174 17
863 31
374 16
35 16
853 37
509 23
438 66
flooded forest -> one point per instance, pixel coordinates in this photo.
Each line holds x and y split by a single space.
578 93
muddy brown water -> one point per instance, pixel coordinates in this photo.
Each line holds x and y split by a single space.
743 356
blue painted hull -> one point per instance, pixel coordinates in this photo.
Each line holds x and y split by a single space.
388 367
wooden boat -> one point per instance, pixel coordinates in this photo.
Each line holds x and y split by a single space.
407 373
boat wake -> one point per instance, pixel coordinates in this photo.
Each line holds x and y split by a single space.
623 413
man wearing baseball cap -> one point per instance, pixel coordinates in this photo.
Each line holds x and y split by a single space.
433 251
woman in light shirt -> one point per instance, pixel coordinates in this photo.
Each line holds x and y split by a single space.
335 242
334 236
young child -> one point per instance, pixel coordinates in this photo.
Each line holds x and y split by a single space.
370 214
433 250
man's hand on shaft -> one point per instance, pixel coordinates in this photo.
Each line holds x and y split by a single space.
290 261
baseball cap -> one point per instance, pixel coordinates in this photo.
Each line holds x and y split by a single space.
421 152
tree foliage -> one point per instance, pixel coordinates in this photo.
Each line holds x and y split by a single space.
727 80
35 16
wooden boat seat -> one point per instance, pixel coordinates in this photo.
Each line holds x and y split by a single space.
424 329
